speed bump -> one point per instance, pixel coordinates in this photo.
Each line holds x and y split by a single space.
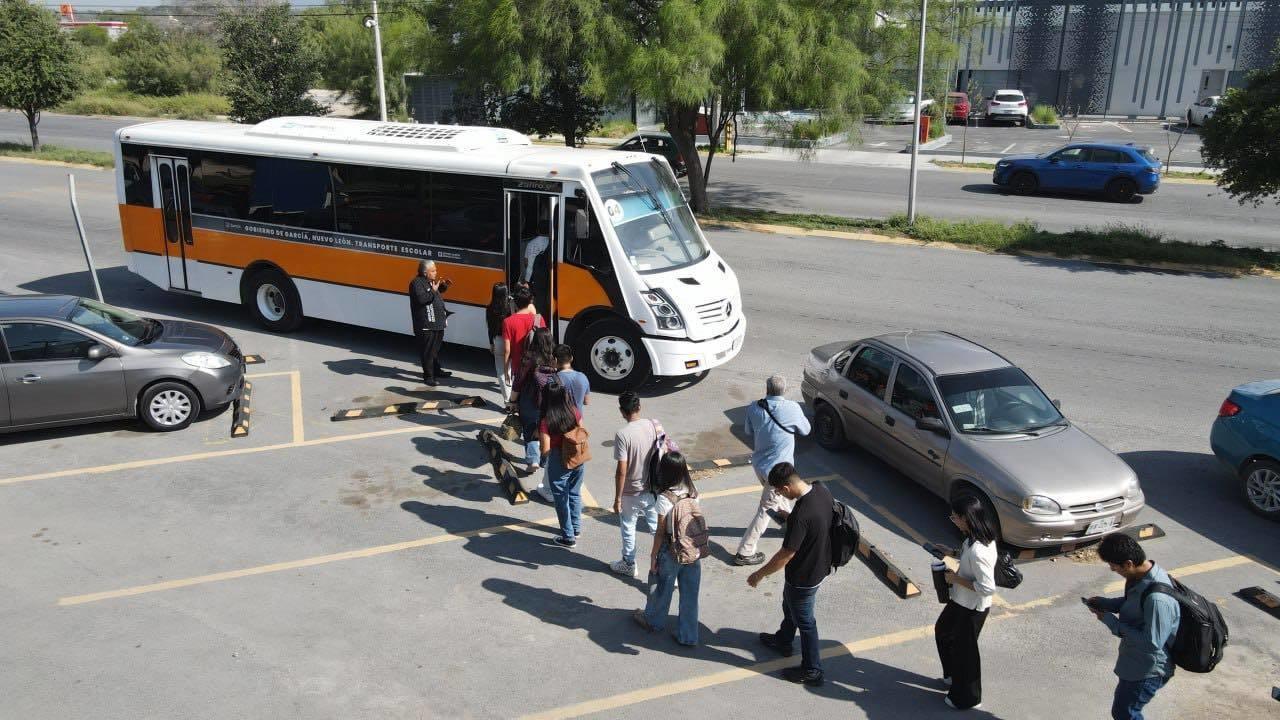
406 408
254 359
718 463
243 411
878 562
1261 599
1149 531
503 470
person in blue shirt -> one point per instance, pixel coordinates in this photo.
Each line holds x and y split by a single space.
773 424
1146 627
575 383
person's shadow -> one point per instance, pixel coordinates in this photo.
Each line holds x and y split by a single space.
884 691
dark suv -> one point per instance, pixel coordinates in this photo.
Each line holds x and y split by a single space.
66 360
655 143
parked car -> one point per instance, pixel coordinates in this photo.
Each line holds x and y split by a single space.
1203 110
1117 171
66 360
959 418
1007 105
903 110
957 107
1246 436
656 143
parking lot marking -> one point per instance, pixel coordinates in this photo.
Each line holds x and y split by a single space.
1118 126
1002 152
295 389
1196 569
153 462
278 373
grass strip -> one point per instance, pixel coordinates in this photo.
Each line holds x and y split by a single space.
1116 242
58 154
1171 175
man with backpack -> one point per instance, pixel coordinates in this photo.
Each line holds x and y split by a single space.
635 448
773 424
807 556
1146 621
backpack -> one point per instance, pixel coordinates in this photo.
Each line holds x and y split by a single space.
690 540
1202 633
575 447
537 379
844 535
662 445
538 323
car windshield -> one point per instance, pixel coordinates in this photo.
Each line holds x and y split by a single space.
654 224
113 322
1149 156
1006 97
997 401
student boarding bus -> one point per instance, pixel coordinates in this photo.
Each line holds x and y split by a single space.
328 218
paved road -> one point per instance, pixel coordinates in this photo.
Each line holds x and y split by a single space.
475 616
1194 212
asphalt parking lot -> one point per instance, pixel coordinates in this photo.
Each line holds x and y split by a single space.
373 568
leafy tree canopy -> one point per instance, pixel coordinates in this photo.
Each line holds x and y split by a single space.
272 64
38 64
1241 138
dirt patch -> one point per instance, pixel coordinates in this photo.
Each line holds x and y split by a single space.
1084 555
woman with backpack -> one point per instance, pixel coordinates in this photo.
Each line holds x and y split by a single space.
537 369
565 459
500 308
972 586
678 548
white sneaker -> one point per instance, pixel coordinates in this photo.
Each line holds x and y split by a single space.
951 705
622 567
544 493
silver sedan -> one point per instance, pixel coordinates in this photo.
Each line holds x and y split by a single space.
959 418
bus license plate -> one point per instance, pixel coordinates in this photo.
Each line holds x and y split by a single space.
1102 525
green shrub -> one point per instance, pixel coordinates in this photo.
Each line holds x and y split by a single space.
96 158
97 67
91 36
816 129
188 106
105 102
151 61
1044 115
617 129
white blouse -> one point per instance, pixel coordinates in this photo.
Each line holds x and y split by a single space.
977 563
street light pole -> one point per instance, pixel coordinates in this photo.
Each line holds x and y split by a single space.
915 138
377 49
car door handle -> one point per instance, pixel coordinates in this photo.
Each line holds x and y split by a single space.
28 379
889 421
933 454
844 394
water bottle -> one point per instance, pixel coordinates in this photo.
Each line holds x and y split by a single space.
940 581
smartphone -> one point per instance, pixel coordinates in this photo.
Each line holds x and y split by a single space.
933 550
1085 600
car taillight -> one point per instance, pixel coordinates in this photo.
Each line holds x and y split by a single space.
1228 409
994 103
1022 102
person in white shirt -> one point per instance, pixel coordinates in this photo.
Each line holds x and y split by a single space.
972 586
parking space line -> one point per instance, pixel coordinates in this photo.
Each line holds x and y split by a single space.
1118 126
878 642
295 389
1008 148
278 373
153 462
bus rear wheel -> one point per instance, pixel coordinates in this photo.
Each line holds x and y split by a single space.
272 300
610 353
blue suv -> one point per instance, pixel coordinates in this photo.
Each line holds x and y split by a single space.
1117 171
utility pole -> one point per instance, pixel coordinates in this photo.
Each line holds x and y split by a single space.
371 21
915 138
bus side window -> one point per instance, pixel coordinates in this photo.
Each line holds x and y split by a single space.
583 238
137 174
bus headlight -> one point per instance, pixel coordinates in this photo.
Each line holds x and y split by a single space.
667 315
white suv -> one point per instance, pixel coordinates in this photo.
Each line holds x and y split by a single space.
1007 105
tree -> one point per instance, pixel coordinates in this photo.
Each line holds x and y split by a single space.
346 48
152 61
271 62
37 62
1240 138
91 36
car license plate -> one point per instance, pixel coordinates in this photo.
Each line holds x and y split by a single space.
720 355
1102 525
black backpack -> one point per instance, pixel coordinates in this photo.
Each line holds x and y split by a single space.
844 535
1201 634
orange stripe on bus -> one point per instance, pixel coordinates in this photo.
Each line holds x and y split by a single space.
578 291
143 229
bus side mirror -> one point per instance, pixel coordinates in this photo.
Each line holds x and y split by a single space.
581 224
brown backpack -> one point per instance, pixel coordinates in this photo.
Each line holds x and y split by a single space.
575 447
689 538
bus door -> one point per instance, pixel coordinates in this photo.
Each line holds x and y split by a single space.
173 197
532 230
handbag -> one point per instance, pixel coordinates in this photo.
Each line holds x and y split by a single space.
1007 574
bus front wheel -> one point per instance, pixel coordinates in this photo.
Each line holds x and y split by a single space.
272 300
610 353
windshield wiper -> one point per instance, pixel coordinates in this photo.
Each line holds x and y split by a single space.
637 186
1056 423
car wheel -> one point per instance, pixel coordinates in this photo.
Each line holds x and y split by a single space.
612 356
1121 190
1024 183
829 428
1261 483
988 507
272 300
168 406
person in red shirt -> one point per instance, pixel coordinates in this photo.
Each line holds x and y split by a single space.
515 330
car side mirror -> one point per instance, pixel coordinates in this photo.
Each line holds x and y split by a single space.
933 425
99 352
1057 404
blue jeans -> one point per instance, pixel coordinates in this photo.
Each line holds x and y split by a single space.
566 488
1132 695
635 507
529 421
797 615
662 585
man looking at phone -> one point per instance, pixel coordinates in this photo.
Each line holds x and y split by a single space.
426 305
1146 625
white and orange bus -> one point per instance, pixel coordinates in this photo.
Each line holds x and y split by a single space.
328 218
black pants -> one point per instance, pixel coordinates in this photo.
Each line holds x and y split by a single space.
957 632
429 342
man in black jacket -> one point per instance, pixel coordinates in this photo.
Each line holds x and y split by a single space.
426 304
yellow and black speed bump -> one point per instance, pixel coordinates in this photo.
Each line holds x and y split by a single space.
503 470
876 561
719 463
407 408
1149 531
254 359
243 411
1261 599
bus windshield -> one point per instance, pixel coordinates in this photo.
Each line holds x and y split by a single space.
654 224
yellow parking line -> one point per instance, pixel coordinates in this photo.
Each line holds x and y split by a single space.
589 500
295 387
1196 569
278 373
153 462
